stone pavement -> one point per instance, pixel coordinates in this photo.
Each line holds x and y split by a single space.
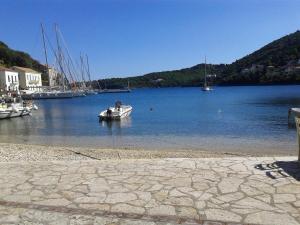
214 191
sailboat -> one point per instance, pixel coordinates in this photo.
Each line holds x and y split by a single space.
206 87
48 94
86 68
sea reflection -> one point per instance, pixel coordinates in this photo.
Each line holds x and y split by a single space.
116 127
17 126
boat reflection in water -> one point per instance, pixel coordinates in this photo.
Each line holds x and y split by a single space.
116 126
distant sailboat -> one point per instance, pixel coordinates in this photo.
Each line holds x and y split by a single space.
206 87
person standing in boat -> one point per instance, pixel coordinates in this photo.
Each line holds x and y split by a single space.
108 112
118 105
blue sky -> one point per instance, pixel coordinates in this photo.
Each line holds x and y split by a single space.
134 37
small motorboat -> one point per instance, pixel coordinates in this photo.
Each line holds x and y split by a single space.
15 108
116 113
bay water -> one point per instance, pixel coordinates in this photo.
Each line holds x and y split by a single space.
231 119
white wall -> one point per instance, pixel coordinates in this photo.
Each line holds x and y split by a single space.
30 80
33 79
9 81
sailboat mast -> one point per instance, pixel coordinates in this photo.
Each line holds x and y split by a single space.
82 71
45 49
70 74
99 85
205 83
88 68
60 57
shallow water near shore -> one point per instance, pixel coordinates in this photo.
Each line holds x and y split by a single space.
235 119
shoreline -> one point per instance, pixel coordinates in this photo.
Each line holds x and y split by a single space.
10 152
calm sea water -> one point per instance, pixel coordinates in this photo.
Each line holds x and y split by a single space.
228 119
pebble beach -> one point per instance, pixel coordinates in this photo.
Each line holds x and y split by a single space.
29 152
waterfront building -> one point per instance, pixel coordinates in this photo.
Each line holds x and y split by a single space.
9 80
53 77
29 78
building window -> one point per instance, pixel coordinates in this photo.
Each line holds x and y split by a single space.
8 77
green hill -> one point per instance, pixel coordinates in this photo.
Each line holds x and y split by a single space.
275 63
185 77
10 57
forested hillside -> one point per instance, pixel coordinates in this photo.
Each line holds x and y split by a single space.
10 57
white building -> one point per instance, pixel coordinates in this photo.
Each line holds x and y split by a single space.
53 77
9 80
29 78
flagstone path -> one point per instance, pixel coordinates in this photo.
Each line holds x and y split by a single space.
212 191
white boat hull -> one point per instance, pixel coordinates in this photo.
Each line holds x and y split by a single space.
16 110
207 88
48 95
78 94
125 111
10 113
91 92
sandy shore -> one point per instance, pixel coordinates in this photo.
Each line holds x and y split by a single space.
28 152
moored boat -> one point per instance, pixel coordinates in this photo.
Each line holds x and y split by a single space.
117 112
91 92
105 91
78 93
206 87
48 95
15 107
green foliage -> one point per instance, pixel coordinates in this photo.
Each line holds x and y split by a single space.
193 76
10 57
274 59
